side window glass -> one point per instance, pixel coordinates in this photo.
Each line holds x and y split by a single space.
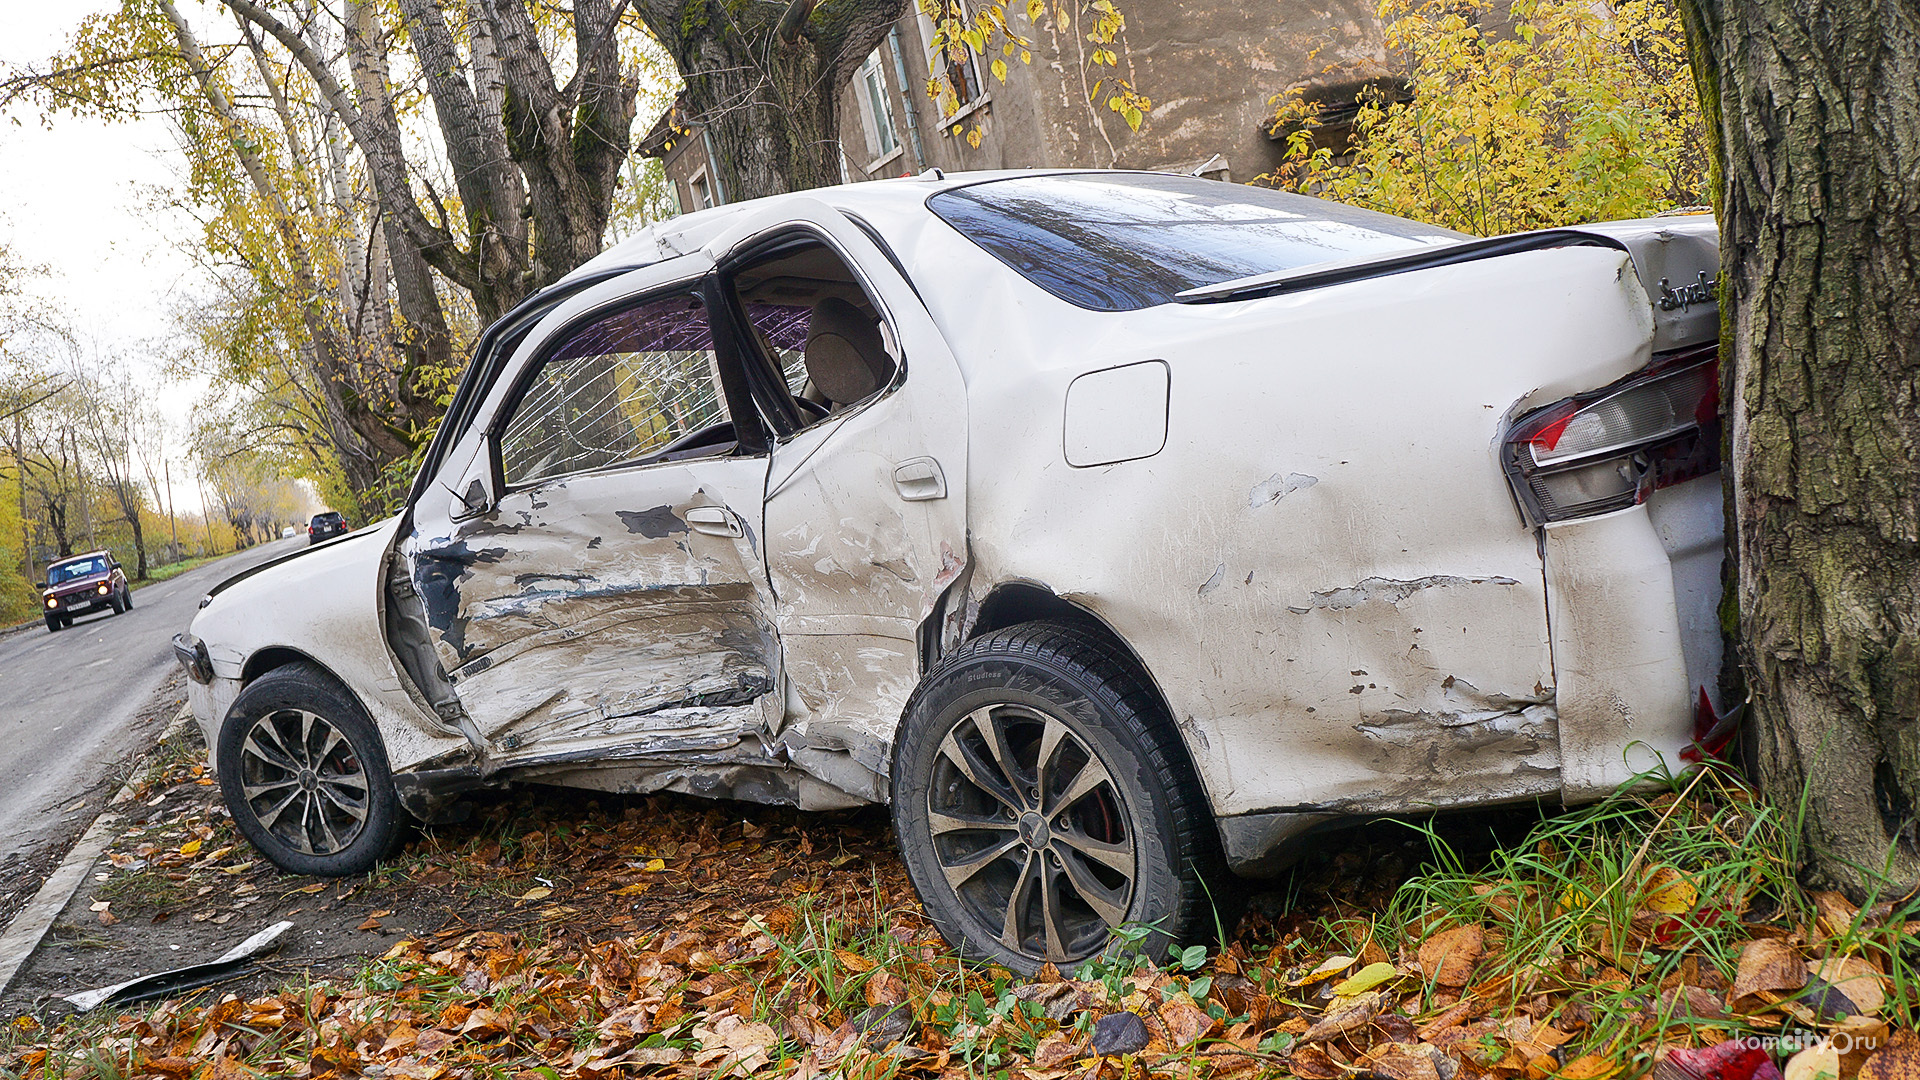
641 382
815 322
782 329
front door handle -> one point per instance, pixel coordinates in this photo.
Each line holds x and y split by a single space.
714 521
919 479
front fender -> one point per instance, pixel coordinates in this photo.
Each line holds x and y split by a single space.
325 605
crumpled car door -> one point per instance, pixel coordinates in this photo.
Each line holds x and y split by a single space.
865 515
589 558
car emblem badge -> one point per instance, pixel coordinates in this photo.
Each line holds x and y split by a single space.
1033 830
1683 298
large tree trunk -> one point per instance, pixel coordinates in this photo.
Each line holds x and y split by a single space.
764 80
1818 114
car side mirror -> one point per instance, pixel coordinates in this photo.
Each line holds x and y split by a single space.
39 584
472 501
116 565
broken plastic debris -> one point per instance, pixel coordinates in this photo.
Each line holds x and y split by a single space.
231 963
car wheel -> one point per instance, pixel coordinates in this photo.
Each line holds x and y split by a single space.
118 605
305 775
126 598
66 621
53 624
1042 798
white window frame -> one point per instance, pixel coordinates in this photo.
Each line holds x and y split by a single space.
876 110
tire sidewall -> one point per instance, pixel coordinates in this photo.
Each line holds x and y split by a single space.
1088 708
304 686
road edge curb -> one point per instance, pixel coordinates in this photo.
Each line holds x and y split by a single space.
29 928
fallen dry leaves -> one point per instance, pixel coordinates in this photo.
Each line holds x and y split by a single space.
671 937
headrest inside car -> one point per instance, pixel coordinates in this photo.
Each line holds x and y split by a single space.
845 357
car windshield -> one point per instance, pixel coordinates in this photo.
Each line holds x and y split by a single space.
1125 241
78 569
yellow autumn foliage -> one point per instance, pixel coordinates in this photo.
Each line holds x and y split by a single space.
1567 111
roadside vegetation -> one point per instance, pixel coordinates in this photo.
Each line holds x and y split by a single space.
1549 113
602 937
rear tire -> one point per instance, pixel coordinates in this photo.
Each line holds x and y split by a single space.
305 774
1042 797
126 598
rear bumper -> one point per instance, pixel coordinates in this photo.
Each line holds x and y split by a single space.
1632 617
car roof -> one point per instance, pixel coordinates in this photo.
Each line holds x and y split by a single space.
677 236
80 558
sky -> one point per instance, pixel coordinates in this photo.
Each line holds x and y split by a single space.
76 199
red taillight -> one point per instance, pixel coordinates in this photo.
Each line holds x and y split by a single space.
1609 449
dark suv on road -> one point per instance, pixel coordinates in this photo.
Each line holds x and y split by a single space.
81 584
326 526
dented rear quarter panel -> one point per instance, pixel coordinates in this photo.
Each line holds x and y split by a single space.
1323 569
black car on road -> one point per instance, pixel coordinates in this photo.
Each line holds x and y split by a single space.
326 526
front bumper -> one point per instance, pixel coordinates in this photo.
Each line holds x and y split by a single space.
78 604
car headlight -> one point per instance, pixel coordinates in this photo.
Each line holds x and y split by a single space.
53 601
191 652
102 590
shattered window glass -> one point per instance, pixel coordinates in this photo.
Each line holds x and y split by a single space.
784 329
617 390
1125 241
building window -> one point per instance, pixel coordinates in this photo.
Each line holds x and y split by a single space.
700 192
955 63
876 109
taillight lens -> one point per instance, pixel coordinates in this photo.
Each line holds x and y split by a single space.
1611 448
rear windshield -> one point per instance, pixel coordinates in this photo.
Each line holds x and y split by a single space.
72 570
1124 241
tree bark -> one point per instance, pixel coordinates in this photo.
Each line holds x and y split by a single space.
1817 107
769 103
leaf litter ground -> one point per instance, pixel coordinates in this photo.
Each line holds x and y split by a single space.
565 934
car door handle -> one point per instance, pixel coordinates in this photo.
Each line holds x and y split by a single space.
714 521
919 479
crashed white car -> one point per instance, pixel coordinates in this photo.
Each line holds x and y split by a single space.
1116 528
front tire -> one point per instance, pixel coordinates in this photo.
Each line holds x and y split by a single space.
53 624
1041 797
305 774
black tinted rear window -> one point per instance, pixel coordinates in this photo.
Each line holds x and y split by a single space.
1124 241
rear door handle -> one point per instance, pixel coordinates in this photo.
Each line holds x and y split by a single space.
919 479
714 521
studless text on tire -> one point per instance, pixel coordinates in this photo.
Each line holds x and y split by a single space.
1041 798
305 774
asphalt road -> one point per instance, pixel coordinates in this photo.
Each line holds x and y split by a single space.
68 700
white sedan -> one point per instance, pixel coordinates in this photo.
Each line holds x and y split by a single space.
1118 529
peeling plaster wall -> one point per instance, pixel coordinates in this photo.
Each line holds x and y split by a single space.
1211 70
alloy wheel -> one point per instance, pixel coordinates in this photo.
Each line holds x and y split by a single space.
303 782
1031 832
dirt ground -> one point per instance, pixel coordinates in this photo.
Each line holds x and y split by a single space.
178 886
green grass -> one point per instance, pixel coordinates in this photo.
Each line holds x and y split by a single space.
157 574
